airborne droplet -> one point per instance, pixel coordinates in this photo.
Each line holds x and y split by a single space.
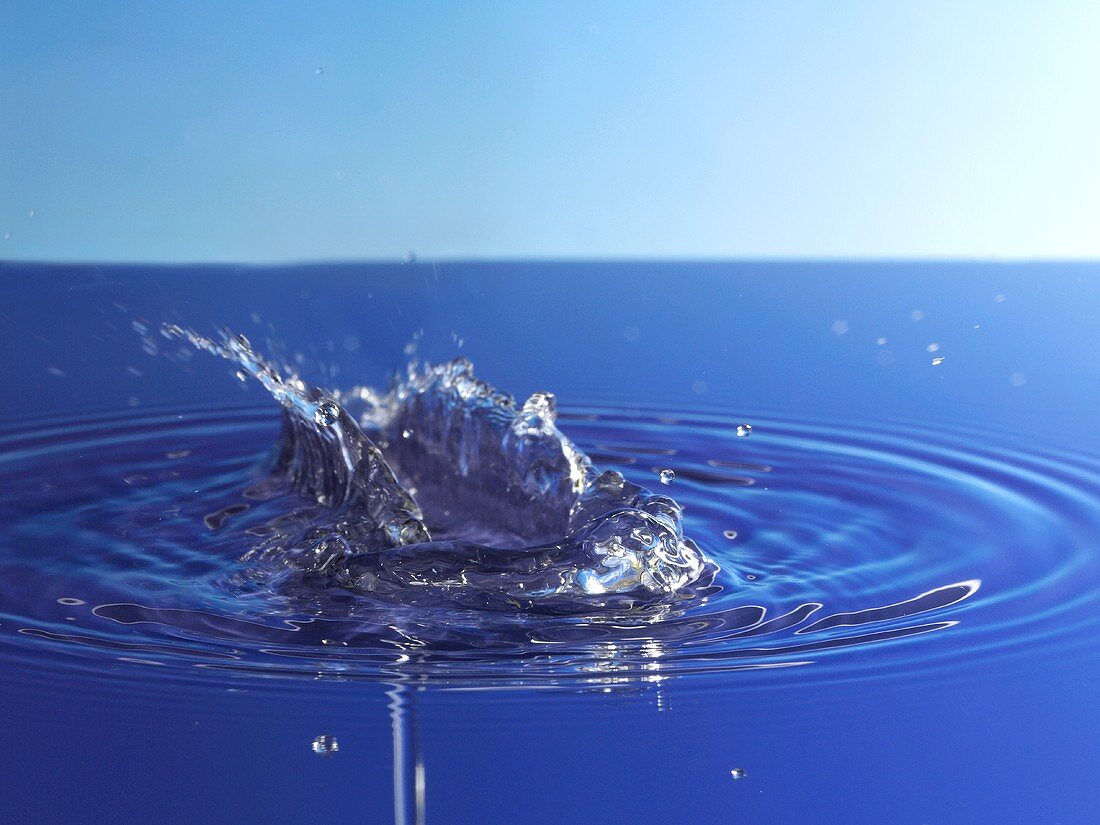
325 744
326 413
667 476
744 430
739 773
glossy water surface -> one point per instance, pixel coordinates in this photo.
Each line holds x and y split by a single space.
901 626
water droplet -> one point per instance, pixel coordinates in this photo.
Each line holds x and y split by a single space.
730 534
1000 299
744 430
917 315
880 341
932 347
406 433
241 375
325 744
31 213
410 257
326 413
319 70
243 341
739 773
939 359
667 476
840 327
69 600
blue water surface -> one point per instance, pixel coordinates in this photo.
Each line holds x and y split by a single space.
903 628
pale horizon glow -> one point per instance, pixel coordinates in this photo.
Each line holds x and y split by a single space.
177 132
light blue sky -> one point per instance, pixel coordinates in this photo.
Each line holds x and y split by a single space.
202 130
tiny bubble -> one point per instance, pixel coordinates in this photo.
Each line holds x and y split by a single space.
880 341
410 258
667 476
326 413
738 773
744 430
939 359
319 71
241 375
1000 299
31 213
977 326
917 315
325 745
406 433
730 534
932 347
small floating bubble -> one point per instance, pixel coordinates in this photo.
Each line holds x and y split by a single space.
241 375
738 773
880 341
31 213
744 430
932 347
406 433
326 413
917 315
730 534
667 476
325 744
939 359
69 600
319 70
750 576
1000 299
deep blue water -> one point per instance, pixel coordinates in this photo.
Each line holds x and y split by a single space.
903 628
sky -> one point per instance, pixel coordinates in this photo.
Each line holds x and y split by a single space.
210 131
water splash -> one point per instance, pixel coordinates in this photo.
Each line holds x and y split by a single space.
445 486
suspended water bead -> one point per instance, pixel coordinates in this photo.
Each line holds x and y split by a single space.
937 360
325 745
744 430
730 534
738 773
326 413
933 347
667 476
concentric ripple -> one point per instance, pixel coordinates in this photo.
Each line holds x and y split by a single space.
870 550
